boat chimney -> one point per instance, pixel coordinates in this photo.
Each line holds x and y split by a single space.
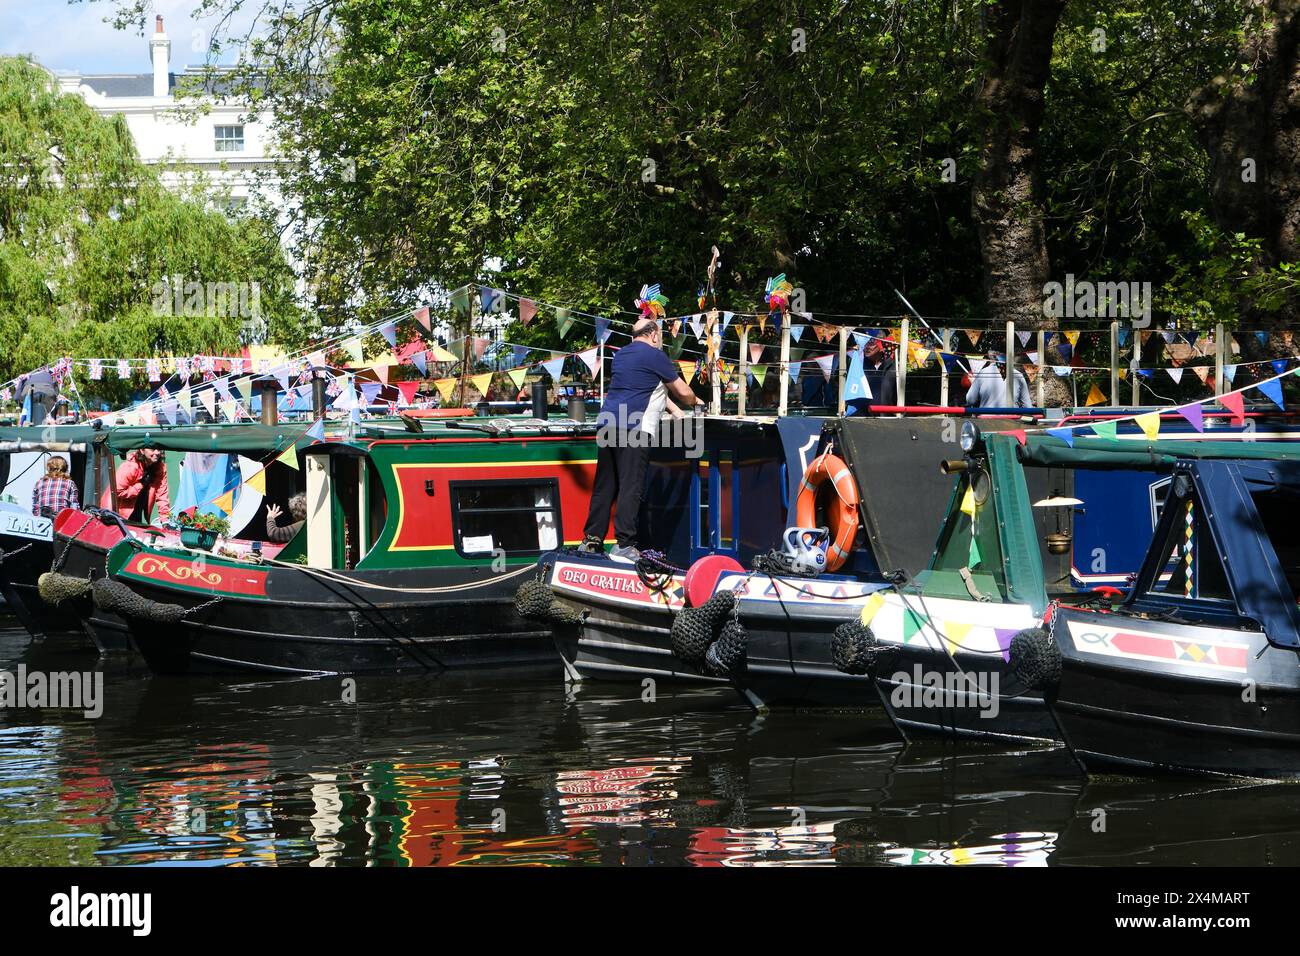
318 396
269 389
160 49
539 400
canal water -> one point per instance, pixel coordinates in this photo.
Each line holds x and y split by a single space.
510 768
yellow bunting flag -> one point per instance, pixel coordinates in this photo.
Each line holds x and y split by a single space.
226 502
245 386
289 457
356 350
688 370
440 354
230 409
1150 424
954 632
968 502
872 607
445 387
1072 338
1095 396
257 481
481 382
517 376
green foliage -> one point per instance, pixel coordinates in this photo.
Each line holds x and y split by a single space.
87 233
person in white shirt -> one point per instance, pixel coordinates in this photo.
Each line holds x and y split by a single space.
988 386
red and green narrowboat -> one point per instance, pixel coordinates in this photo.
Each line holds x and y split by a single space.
412 550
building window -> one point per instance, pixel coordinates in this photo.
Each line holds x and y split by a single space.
229 139
517 517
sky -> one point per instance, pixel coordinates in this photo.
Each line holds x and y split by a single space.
73 37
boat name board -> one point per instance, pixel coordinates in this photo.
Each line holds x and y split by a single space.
26 525
621 586
197 575
1205 652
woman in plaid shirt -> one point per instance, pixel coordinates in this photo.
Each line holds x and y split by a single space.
55 491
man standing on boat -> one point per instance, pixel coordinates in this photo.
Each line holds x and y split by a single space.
988 386
643 380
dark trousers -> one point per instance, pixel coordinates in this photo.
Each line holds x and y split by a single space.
620 473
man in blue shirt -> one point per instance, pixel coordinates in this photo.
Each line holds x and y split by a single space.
642 381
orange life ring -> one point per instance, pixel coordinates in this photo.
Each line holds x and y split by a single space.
844 513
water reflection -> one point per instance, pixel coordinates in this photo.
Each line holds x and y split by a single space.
503 769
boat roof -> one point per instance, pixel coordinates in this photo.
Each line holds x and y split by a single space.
1125 453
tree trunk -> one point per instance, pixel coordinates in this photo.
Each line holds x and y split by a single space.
1006 198
1250 126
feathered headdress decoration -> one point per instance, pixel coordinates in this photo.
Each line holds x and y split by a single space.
651 302
778 290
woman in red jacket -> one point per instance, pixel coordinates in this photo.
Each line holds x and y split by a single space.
141 484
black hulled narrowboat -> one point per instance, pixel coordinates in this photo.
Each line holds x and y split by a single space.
408 559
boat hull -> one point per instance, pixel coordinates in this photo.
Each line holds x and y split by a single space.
19 573
1134 696
627 634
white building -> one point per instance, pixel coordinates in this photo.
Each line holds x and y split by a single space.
180 132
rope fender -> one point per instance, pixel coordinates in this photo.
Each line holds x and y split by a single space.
1035 659
855 650
695 628
114 597
55 588
535 601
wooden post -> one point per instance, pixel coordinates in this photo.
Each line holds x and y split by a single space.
784 401
844 373
715 367
1133 369
945 342
744 370
900 360
1042 358
1114 364
1009 386
1219 337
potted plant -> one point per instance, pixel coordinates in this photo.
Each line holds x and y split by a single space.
201 530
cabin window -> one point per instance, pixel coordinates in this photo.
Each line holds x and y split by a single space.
1277 511
1194 569
517 517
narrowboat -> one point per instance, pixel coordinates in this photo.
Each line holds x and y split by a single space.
941 647
629 610
26 538
1196 671
408 559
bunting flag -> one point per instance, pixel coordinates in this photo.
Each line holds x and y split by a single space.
226 501
974 335
824 362
1065 434
230 408
856 384
460 301
1202 372
796 331
440 354
371 391
554 368
563 321
518 376
421 363
289 457
954 632
871 607
726 321
1273 389
481 382
123 369
974 557
446 388
1194 414
602 330
479 345
968 501
356 350
1105 429
407 390
795 369
1230 372
421 317
209 399
317 431
1095 396
1234 403
759 372
381 373
590 358
257 481
755 353
527 309
1279 366
1176 374
185 400
1150 424
389 331
687 370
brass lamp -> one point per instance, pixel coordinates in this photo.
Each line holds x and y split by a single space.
1058 541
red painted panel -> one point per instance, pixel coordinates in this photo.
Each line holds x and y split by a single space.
209 577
